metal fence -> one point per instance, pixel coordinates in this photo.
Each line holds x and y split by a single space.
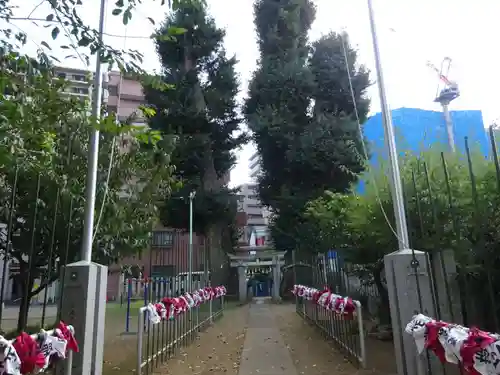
452 203
453 206
53 353
452 209
37 240
157 343
346 331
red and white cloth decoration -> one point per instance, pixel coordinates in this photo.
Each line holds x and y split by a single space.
169 308
32 354
476 351
326 299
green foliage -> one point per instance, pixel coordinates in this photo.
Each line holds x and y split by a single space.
201 112
43 164
64 18
452 203
301 113
447 205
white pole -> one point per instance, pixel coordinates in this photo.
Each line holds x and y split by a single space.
93 153
397 189
190 253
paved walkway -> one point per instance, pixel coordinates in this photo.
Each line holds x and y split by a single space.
264 351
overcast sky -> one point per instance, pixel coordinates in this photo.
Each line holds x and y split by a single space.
410 34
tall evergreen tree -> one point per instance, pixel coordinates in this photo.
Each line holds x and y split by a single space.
300 111
201 111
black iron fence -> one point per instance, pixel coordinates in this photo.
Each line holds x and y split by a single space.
322 272
36 242
453 212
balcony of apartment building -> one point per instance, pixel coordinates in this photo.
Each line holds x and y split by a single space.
79 82
254 157
256 219
253 208
125 97
255 165
75 77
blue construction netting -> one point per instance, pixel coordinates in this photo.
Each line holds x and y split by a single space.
418 130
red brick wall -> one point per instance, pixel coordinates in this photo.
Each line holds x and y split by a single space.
177 256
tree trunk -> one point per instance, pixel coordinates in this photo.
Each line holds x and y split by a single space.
384 309
22 320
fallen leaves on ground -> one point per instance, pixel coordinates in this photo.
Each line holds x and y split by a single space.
217 350
313 355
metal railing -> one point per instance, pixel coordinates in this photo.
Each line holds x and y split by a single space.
68 361
157 343
346 331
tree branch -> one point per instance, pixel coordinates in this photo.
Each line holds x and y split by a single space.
43 286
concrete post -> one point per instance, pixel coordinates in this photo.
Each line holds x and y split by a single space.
99 318
78 309
276 278
242 282
410 293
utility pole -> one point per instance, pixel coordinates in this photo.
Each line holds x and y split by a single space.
397 189
85 283
407 271
93 153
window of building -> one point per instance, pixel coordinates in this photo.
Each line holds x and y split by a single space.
253 197
112 109
162 238
61 75
113 90
162 271
254 216
79 77
254 206
80 90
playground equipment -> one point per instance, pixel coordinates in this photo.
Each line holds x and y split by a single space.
445 95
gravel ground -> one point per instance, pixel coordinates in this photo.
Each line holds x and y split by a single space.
216 351
313 355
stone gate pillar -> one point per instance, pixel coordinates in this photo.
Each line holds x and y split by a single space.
242 282
409 283
276 278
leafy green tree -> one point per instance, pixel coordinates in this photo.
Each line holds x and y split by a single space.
43 164
202 113
451 203
301 114
65 19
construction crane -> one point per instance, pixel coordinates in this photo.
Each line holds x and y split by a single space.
445 95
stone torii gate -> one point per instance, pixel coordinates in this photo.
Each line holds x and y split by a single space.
257 256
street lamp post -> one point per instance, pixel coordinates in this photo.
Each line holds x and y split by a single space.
190 252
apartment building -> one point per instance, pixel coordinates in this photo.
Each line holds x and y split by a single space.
252 206
79 81
254 165
257 215
125 97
